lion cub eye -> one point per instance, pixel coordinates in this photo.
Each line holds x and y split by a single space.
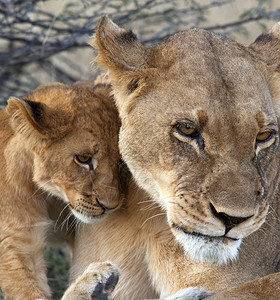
83 159
86 161
186 130
265 136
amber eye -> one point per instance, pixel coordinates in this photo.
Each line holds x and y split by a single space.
265 136
83 159
185 129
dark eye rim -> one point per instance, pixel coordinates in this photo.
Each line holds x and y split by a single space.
86 162
271 135
193 135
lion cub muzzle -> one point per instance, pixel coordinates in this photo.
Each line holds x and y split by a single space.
94 202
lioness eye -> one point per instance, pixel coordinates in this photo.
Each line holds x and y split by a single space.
186 130
264 136
83 159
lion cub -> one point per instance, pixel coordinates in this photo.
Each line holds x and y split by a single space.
59 144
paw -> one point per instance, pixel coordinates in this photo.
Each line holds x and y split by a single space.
104 281
190 293
96 283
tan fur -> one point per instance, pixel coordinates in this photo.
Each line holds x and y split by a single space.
230 95
266 287
97 282
42 180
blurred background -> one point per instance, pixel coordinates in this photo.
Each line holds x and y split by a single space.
45 41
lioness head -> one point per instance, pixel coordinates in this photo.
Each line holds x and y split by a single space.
70 134
199 132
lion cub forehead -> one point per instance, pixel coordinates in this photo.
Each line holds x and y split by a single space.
82 98
82 103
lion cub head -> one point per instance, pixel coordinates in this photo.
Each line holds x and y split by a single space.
199 132
69 135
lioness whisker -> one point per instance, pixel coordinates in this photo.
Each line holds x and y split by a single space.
268 224
154 216
272 210
146 201
150 207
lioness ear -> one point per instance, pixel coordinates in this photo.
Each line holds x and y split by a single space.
120 52
30 117
267 46
118 49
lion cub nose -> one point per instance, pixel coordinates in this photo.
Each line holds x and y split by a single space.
229 221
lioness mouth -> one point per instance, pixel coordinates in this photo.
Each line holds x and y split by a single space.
205 236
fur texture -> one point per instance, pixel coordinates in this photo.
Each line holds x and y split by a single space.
200 135
59 155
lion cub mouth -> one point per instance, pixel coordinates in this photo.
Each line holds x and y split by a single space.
88 213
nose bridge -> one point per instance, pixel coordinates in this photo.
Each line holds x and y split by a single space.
232 140
234 188
88 188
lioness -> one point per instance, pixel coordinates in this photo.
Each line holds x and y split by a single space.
200 135
59 144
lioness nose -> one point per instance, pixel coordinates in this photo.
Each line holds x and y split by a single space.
229 221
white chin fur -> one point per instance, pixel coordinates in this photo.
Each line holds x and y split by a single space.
86 219
81 217
209 250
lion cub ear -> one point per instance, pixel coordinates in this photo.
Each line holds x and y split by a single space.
35 118
122 54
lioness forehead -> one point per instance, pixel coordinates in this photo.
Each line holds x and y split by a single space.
202 70
210 63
